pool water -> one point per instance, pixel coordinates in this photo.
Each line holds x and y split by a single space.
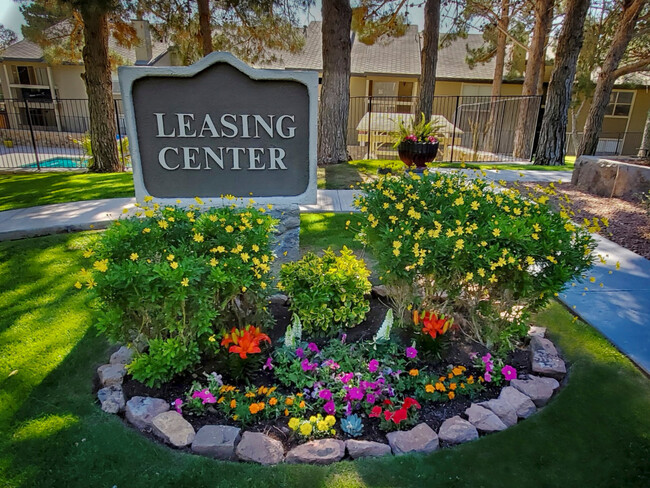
59 163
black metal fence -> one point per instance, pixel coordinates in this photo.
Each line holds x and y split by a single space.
470 128
47 133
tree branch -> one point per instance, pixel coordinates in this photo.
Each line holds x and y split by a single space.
640 65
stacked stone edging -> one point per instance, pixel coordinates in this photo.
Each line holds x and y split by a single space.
517 401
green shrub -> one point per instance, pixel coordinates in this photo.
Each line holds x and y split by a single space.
169 279
492 256
327 293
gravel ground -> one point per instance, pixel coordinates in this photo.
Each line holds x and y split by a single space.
629 223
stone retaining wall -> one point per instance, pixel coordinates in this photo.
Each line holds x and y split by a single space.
608 178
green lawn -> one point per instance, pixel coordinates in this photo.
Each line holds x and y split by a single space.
345 175
28 190
595 433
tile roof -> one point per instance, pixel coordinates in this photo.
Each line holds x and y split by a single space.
26 50
389 56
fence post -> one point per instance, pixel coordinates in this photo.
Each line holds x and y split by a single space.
369 118
453 137
31 132
119 134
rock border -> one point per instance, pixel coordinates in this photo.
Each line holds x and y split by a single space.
519 400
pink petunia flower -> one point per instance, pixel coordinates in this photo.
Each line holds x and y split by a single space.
347 377
313 347
177 404
268 365
509 373
325 394
487 358
487 377
373 365
411 352
330 408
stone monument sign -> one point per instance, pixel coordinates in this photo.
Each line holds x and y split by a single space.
220 127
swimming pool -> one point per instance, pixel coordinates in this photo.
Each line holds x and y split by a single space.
60 163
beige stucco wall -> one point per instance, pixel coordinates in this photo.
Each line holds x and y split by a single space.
68 81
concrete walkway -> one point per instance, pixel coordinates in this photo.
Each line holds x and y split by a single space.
620 309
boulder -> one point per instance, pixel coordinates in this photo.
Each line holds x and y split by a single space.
173 428
536 331
610 178
279 299
360 449
420 438
504 410
456 431
111 399
545 359
322 451
539 390
484 419
259 448
140 411
123 355
111 374
217 441
522 404
379 291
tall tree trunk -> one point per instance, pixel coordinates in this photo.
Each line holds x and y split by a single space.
497 80
204 26
429 59
608 75
644 150
552 137
97 77
335 91
527 116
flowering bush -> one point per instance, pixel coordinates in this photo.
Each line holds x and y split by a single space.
493 256
393 418
327 293
169 278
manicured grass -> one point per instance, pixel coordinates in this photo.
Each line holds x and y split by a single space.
28 190
595 433
345 175
320 230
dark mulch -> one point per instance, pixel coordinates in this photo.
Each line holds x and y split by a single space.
457 352
629 222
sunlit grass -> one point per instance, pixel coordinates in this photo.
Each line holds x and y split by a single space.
27 190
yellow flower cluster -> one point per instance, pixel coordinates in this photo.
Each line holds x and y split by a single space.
316 425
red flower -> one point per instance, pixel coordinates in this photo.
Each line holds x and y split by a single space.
375 412
387 402
399 415
409 402
246 340
433 325
387 415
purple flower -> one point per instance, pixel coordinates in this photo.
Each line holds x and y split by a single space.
177 404
268 365
489 366
205 395
509 372
325 394
347 377
473 355
488 377
355 393
373 365
307 366
486 358
343 337
300 352
330 408
411 352
348 409
370 398
313 347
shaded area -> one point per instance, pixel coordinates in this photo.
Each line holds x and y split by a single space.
28 190
594 433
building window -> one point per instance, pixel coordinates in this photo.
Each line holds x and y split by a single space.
476 90
620 104
384 89
29 75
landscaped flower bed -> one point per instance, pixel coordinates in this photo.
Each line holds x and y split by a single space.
441 348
